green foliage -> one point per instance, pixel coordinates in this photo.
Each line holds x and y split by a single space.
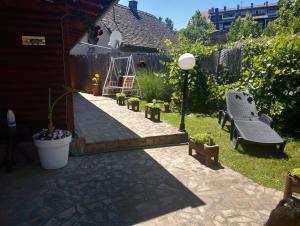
120 95
96 79
198 28
271 71
273 75
169 24
52 104
288 20
244 28
153 105
296 172
204 138
134 99
153 86
197 81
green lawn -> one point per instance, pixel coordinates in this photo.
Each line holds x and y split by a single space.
263 165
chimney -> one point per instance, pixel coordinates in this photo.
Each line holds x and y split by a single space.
133 6
251 5
238 7
225 8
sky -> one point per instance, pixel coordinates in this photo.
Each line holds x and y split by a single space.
180 11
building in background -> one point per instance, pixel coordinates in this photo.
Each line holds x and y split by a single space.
141 31
223 18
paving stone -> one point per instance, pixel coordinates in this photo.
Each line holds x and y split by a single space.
52 222
66 214
161 186
93 114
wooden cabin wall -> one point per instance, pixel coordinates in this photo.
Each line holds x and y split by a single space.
26 72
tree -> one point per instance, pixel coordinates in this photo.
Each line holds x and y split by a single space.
198 28
169 24
288 20
244 28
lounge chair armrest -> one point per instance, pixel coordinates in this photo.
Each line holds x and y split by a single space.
266 119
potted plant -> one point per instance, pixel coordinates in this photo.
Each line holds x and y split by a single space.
96 86
120 98
133 104
53 144
166 107
152 110
205 146
292 183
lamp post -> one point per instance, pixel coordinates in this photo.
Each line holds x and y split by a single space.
186 62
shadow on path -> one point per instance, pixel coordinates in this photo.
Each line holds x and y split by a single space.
120 188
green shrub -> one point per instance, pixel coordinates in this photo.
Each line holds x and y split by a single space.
153 86
197 81
272 74
133 99
204 138
119 95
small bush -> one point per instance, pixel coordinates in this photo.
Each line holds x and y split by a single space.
119 95
133 99
153 105
152 86
204 138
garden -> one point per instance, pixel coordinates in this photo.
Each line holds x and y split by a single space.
270 70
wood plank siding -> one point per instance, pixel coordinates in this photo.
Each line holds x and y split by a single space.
26 72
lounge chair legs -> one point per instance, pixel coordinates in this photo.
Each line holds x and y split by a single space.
234 138
282 146
222 114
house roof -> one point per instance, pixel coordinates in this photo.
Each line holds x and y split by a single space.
138 29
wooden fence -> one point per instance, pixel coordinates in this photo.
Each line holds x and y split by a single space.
85 66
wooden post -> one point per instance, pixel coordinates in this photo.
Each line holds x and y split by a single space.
67 74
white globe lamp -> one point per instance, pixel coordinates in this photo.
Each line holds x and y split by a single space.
187 61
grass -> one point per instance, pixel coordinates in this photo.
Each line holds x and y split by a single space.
265 166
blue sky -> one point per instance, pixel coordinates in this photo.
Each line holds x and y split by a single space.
180 11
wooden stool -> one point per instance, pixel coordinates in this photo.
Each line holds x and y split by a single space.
121 101
292 184
208 152
133 105
153 112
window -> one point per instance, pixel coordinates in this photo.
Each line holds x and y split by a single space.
228 15
272 12
259 11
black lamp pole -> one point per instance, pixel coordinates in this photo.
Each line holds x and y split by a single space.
184 100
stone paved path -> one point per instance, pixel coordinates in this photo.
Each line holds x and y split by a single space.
162 186
99 119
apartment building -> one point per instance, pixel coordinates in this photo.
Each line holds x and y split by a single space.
223 18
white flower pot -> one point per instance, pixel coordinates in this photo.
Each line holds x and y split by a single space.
53 154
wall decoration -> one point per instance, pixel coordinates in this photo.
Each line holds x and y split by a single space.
33 40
